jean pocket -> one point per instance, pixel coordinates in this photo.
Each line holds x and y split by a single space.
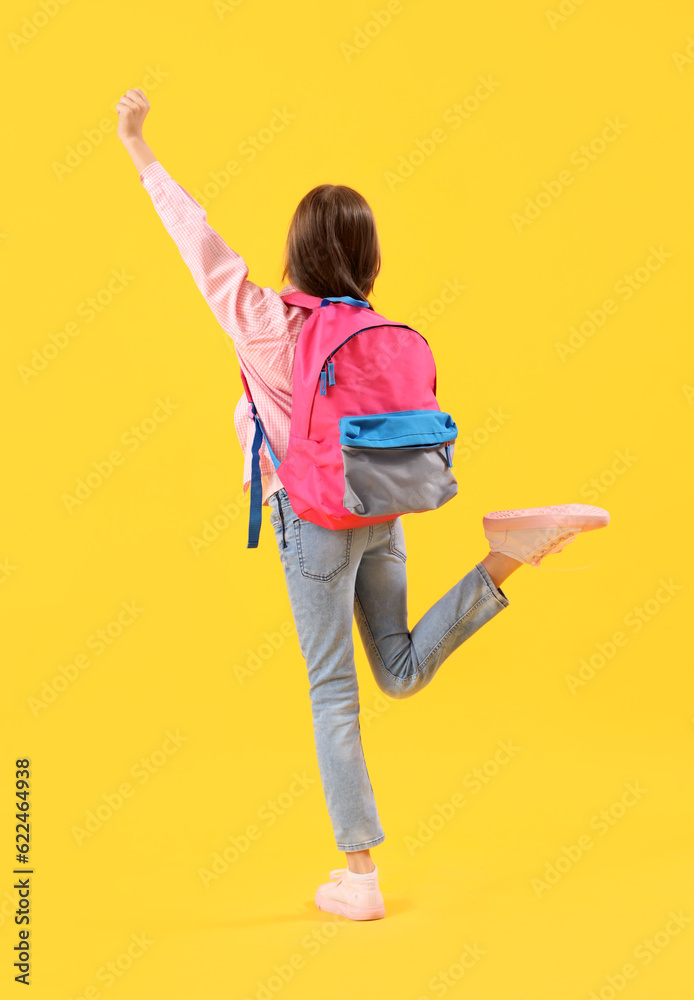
279 504
272 503
322 552
397 539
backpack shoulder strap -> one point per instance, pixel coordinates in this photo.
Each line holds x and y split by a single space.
255 519
256 512
297 298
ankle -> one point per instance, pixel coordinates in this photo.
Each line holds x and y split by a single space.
360 862
500 566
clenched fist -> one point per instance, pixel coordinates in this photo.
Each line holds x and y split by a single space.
132 110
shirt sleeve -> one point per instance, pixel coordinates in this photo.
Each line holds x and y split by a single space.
242 308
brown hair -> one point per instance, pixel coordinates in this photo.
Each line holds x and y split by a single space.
332 245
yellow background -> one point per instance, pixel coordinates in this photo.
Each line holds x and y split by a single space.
628 389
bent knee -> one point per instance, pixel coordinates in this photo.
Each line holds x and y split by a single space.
394 687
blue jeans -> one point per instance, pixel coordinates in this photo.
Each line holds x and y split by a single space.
331 576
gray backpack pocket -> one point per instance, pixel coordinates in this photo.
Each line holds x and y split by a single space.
398 462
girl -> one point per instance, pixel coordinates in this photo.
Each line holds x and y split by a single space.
332 575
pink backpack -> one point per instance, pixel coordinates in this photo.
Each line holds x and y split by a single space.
368 440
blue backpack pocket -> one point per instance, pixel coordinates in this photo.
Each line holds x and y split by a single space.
398 462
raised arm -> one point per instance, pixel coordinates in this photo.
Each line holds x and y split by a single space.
251 315
132 110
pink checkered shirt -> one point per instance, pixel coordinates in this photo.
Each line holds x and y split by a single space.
264 329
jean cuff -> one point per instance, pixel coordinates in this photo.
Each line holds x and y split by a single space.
362 847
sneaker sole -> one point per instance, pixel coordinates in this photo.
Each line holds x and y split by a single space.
567 515
353 912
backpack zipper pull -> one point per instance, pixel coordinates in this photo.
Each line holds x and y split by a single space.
323 376
331 373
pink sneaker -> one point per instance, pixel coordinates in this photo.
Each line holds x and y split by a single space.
532 533
358 898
